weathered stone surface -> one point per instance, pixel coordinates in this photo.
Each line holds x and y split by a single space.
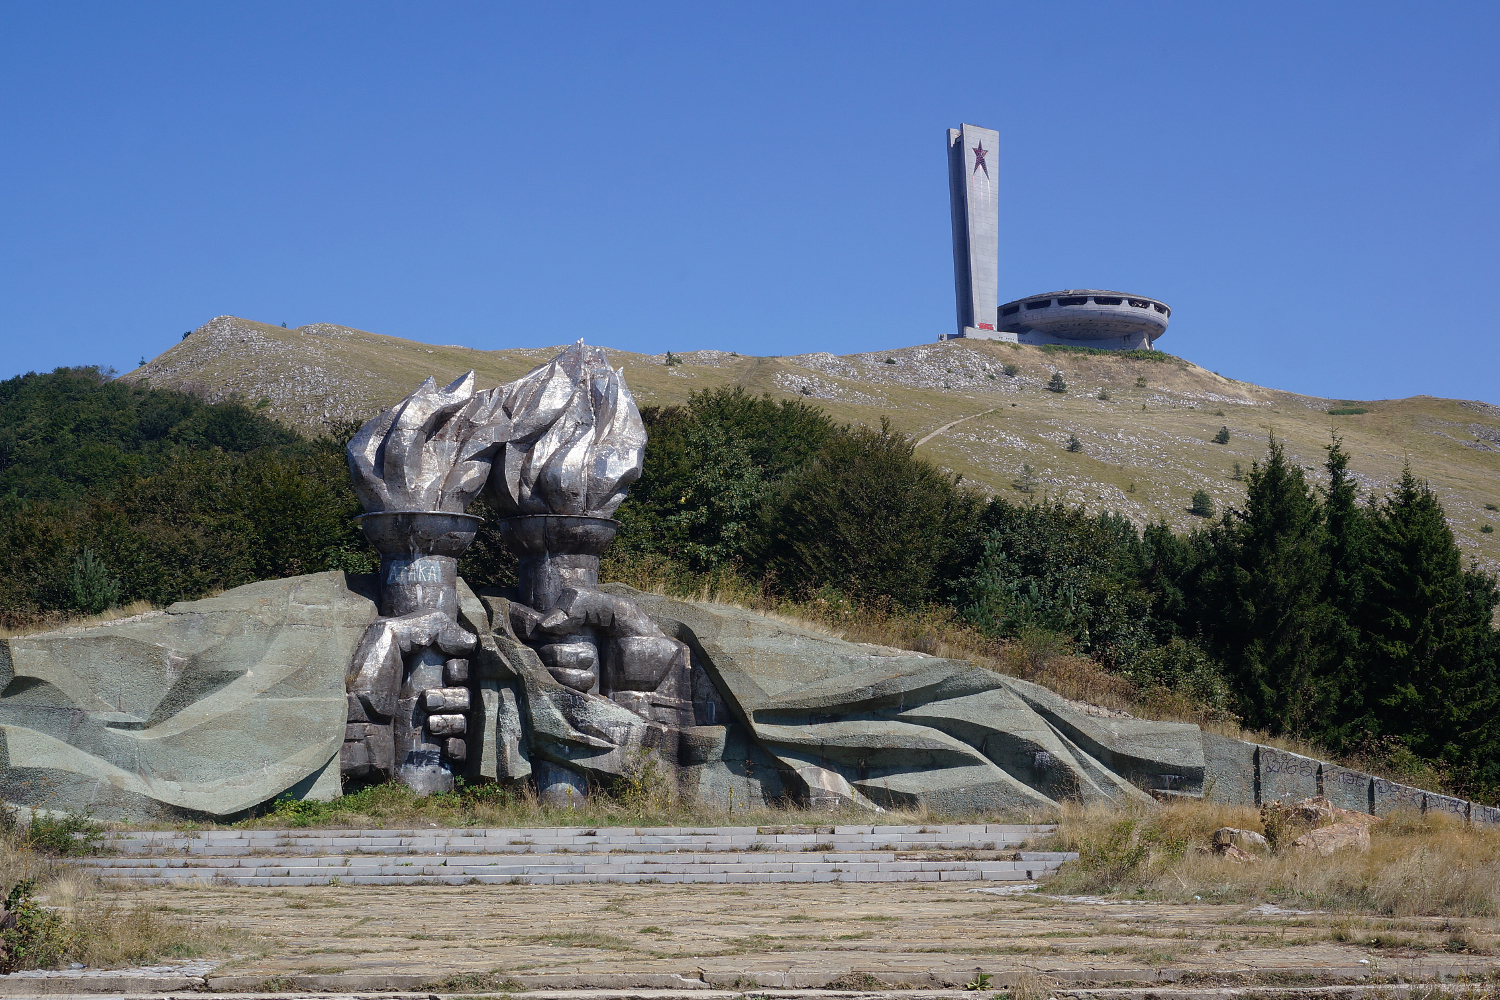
1229 770
1388 796
1229 836
585 733
1327 839
1286 776
1446 805
1345 788
860 724
208 708
216 706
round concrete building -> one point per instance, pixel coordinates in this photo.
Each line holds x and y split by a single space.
1085 317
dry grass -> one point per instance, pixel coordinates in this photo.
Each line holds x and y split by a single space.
1416 865
57 621
81 920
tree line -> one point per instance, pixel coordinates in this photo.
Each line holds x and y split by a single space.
1310 609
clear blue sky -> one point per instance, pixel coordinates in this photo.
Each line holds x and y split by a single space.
1312 187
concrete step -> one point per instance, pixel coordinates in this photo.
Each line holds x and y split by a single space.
558 874
557 856
992 837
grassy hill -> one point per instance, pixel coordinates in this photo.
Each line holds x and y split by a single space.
1145 448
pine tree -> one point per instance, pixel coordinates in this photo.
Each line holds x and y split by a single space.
1264 610
1431 650
1347 549
1056 384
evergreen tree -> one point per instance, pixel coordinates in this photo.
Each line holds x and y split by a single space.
869 518
1430 661
1266 617
1347 549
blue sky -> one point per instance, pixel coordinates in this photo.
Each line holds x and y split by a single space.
1312 187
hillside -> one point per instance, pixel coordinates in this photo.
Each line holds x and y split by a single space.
1145 449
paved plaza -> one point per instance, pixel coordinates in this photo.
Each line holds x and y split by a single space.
843 908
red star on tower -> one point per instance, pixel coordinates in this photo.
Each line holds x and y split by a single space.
979 154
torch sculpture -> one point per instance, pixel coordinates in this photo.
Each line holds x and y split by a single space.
416 468
576 444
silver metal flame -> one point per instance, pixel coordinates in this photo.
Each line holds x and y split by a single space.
576 439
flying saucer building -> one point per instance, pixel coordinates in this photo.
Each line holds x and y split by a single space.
1083 317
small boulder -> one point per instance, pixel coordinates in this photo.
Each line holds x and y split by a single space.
1327 839
1229 836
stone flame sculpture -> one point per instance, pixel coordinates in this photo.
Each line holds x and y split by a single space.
577 442
416 468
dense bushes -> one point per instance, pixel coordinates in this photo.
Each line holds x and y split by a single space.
111 493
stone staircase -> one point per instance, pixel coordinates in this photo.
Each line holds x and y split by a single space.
571 855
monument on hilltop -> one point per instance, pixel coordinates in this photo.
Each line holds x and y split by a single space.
975 203
1083 317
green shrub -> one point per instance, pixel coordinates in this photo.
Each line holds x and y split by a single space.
1074 445
1222 437
1486 528
1011 370
869 518
1140 381
1104 395
65 835
1347 411
92 588
37 939
643 786
112 493
1182 665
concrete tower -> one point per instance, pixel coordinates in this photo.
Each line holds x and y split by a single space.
972 192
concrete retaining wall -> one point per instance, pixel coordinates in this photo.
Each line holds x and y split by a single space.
1243 773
